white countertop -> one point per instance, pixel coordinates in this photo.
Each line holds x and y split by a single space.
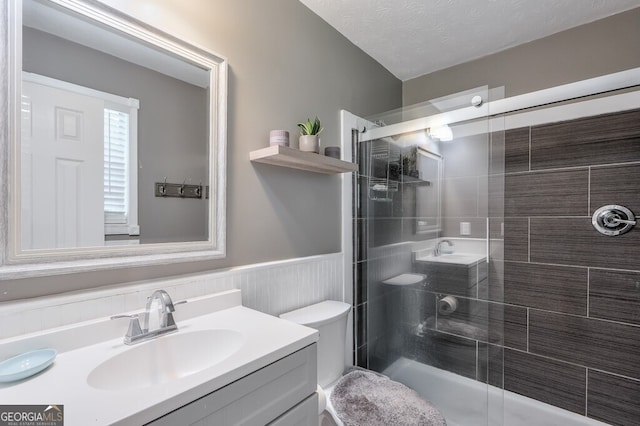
267 339
460 251
462 259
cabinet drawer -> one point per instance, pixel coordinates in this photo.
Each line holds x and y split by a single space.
305 413
256 399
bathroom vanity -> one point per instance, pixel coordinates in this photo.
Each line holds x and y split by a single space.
226 364
273 392
284 391
462 273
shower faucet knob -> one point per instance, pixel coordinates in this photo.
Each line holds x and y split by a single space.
613 220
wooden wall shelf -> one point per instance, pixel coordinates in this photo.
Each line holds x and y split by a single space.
293 158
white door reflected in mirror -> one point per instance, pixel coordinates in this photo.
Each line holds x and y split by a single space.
75 165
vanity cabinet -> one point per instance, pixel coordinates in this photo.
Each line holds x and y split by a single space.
282 394
456 279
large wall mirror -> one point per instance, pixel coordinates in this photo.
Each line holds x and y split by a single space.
116 142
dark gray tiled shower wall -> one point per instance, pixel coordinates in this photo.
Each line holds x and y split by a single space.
563 307
580 289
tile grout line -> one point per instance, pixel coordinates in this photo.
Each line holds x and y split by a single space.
589 192
588 289
478 360
572 266
528 240
596 319
619 164
528 328
572 363
548 170
544 217
618 375
586 391
570 168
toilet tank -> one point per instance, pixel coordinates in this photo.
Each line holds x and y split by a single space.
330 319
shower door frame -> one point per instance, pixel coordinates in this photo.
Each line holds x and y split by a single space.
593 86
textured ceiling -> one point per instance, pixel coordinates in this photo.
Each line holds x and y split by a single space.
416 37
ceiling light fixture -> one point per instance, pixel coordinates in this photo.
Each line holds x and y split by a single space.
442 133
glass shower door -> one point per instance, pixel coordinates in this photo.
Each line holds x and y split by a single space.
428 224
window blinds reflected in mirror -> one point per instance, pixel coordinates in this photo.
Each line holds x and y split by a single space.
118 168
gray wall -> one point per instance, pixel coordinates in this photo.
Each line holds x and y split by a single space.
172 128
601 47
285 64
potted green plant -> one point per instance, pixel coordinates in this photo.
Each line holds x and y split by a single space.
309 131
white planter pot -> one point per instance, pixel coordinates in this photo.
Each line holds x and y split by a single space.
310 143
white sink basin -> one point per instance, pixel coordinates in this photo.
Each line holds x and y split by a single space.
165 359
466 259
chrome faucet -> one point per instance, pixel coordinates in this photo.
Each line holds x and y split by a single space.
438 250
160 307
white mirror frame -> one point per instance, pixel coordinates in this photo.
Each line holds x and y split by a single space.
16 263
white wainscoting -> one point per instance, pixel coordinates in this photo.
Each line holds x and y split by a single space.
273 288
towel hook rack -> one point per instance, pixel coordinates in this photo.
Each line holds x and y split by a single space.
166 189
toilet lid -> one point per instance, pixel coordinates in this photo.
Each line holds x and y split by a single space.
318 314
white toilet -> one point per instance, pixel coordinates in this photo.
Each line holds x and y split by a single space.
330 319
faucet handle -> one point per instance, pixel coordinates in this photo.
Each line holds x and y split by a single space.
132 316
171 306
168 320
134 327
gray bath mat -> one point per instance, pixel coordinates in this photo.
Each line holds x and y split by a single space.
364 398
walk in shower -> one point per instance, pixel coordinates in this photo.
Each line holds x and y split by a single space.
478 276
423 219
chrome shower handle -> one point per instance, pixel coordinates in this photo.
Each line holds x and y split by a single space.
617 220
613 220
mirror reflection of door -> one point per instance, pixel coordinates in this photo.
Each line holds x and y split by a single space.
428 201
70 171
